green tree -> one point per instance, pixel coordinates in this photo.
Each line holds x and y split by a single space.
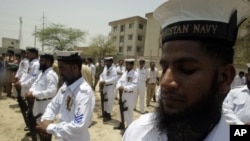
102 46
58 37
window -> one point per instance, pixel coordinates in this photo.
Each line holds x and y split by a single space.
138 49
114 38
121 39
12 43
115 28
139 38
131 25
129 48
120 49
140 26
122 28
130 37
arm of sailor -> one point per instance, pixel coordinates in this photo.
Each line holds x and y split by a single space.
113 78
133 84
50 91
80 121
228 109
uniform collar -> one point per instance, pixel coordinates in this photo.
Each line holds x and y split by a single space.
47 70
76 84
222 128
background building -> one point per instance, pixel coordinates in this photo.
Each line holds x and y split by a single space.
10 43
152 49
129 36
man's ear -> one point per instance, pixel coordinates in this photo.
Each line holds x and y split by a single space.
226 77
75 67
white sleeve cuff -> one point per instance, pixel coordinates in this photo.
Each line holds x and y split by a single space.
51 128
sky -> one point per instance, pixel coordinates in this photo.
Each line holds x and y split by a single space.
91 16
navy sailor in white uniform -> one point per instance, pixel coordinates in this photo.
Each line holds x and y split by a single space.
73 103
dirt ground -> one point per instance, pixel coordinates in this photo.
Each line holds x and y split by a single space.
12 124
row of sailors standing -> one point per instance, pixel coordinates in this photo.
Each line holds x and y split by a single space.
73 102
132 82
36 84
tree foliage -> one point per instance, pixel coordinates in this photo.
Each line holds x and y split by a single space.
58 37
102 46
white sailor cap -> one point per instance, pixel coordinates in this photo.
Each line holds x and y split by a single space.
129 60
202 19
67 55
108 58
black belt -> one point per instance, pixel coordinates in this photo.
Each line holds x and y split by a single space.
128 91
44 99
108 84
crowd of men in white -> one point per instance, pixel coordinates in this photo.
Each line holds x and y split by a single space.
38 79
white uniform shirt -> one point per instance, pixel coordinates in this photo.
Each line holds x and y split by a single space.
153 75
236 106
93 69
27 80
22 68
238 81
120 69
44 87
128 81
143 129
74 104
143 74
109 75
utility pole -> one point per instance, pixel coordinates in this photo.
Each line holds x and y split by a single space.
20 32
43 18
35 38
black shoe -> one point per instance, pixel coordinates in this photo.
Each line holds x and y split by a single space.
120 127
26 128
107 117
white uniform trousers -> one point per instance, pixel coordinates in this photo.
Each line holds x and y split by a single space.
109 89
128 96
140 92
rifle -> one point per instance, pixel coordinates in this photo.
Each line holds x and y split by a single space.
43 136
23 106
102 94
122 109
32 120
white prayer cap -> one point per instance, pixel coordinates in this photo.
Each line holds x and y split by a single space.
67 55
202 19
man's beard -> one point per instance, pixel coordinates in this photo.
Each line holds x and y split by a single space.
195 123
42 68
